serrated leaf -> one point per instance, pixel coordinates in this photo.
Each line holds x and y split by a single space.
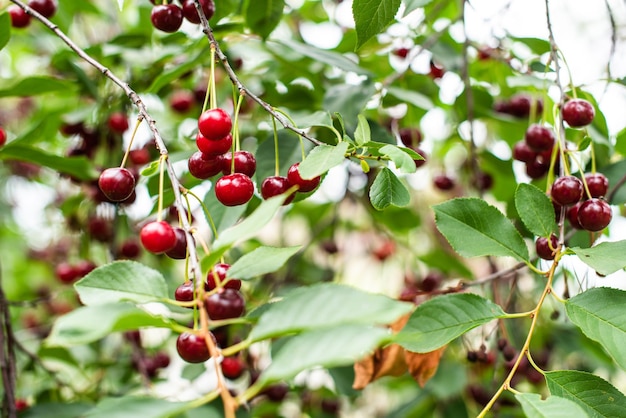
400 158
36 85
322 158
79 167
599 313
440 320
474 228
5 29
371 17
605 258
91 323
262 16
260 261
387 190
151 169
416 99
595 395
137 406
326 305
332 347
122 281
362 134
535 210
553 407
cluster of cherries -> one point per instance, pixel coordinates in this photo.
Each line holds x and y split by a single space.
21 19
169 17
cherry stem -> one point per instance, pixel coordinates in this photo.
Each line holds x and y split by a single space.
276 156
130 143
236 142
162 160
205 210
212 94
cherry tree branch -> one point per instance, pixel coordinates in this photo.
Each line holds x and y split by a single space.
7 357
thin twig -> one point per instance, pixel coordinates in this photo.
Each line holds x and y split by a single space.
613 45
7 357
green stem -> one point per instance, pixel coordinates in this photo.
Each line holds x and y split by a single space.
161 181
130 143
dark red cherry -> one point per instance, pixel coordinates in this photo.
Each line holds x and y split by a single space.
304 185
179 251
597 183
116 183
226 304
3 137
572 216
542 245
66 272
539 138
158 237
100 229
578 113
192 348
594 214
203 166
419 163
167 17
522 152
19 18
232 367
46 8
118 122
411 137
130 249
218 273
214 124
139 156
184 292
182 101
436 71
234 189
443 182
275 185
567 190
245 163
191 14
214 147
537 168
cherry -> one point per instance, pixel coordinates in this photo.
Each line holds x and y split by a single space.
100 229
410 137
509 353
436 71
19 18
419 163
182 101
157 237
401 52
192 348
232 367
245 163
522 152
543 247
66 272
234 189
184 292
215 124
597 183
594 214
139 156
483 181
567 190
46 8
214 147
274 186
3 137
385 250
304 185
220 270
84 267
443 182
226 304
203 166
537 169
167 17
431 282
539 138
519 106
130 249
116 183
572 216
118 122
179 251
578 112
277 392
191 14
21 405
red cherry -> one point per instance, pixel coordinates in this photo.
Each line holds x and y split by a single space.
245 163
3 137
167 17
274 186
431 281
537 169
220 270
191 14
21 405
539 138
234 189
179 251
567 190
118 122
578 112
182 101
304 185
84 267
542 245
184 292
436 71
214 147
192 348
401 52
130 249
19 18
46 8
203 166
139 156
116 183
419 163
226 304
411 137
232 367
215 124
522 152
443 182
158 237
572 216
66 272
100 229
594 214
597 183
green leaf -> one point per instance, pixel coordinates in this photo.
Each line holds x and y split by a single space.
166 78
326 305
262 16
36 85
322 158
538 46
400 158
553 407
362 134
5 29
412 97
474 228
411 5
79 167
151 169
535 210
332 347
440 320
371 17
260 261
599 313
122 281
595 395
56 410
388 190
91 323
137 406
331 58
605 258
